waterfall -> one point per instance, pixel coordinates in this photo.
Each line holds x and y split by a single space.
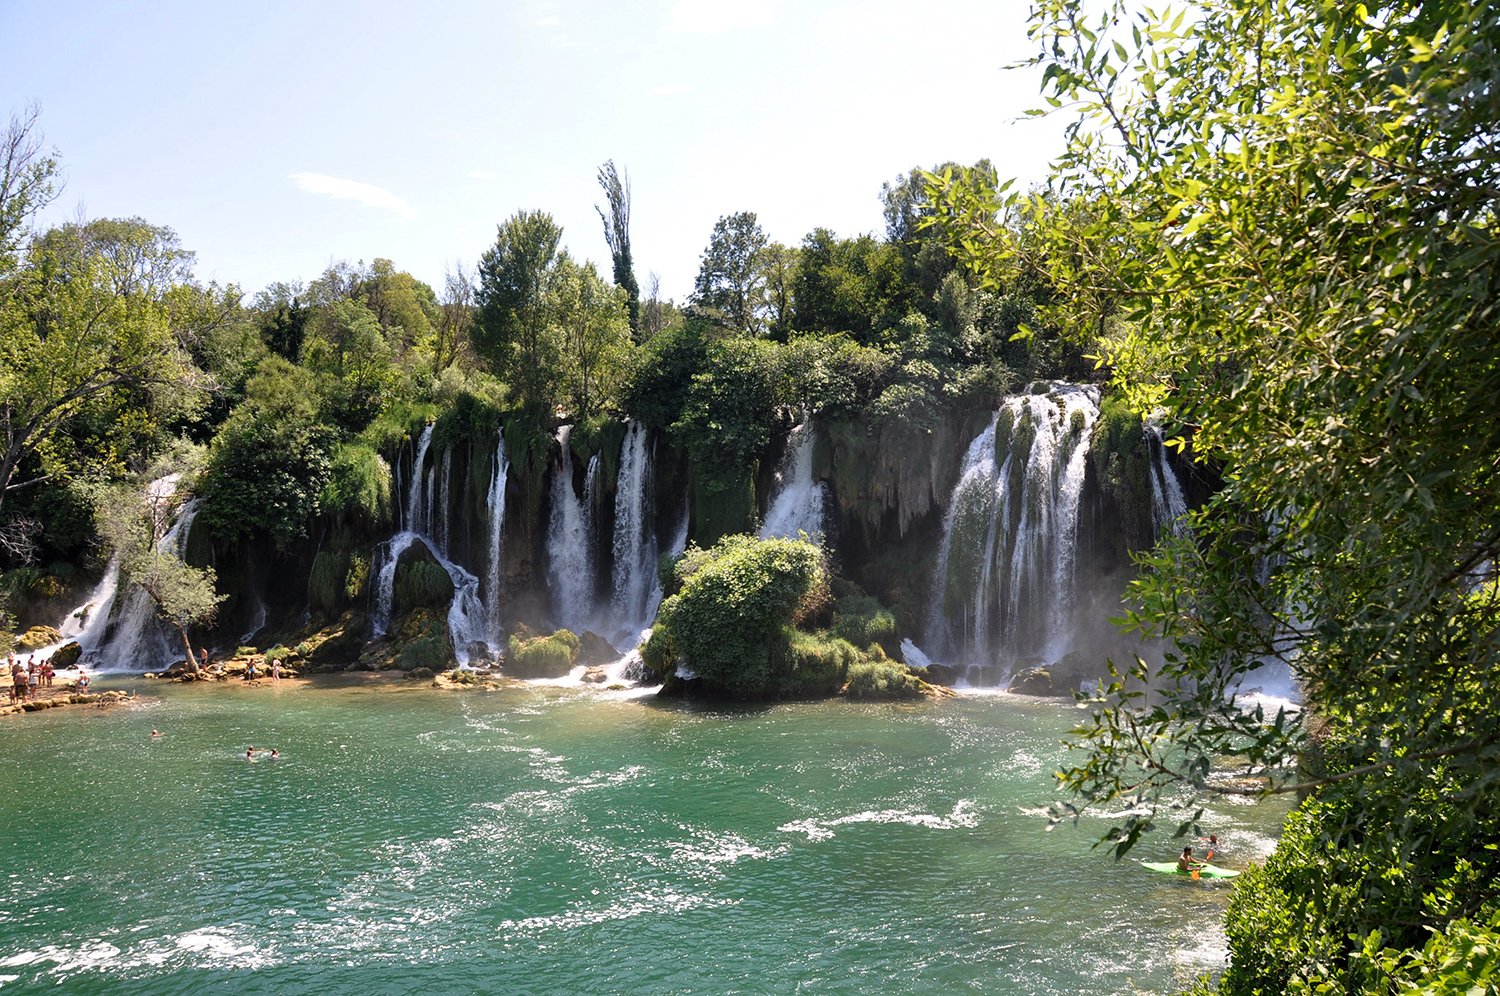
635 547
416 507
425 513
134 637
495 502
1005 580
466 612
385 580
570 535
441 528
797 502
970 509
1167 503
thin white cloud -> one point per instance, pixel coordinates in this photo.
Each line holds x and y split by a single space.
353 190
483 174
671 90
713 17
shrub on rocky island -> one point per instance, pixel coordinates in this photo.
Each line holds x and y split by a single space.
542 656
884 680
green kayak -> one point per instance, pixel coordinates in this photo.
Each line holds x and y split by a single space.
1207 871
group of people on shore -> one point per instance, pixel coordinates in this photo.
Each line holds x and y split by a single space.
26 678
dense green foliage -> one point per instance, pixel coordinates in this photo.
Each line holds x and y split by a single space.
731 623
1276 221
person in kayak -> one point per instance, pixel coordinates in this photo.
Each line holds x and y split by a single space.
1185 862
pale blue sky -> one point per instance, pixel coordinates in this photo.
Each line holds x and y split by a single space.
276 137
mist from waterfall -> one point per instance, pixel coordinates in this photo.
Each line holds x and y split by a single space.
1005 585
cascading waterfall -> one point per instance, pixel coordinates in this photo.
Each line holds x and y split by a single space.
1168 507
416 508
467 613
967 519
635 546
495 502
570 541
1005 583
798 501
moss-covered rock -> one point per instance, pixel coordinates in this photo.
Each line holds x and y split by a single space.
429 652
37 637
862 620
421 582
542 656
67 655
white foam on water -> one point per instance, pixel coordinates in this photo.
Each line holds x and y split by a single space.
962 816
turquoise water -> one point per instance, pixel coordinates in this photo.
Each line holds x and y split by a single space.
542 840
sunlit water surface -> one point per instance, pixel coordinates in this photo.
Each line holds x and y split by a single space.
544 840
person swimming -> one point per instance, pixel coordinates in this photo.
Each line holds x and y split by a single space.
155 733
250 753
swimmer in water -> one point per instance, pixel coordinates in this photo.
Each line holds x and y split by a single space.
250 753
155 733
275 753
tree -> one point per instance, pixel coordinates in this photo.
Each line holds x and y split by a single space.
596 334
184 596
456 317
90 313
269 464
848 285
515 328
730 288
1281 217
28 182
617 235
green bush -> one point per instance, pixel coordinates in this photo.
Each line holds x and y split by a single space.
862 620
883 680
270 461
359 486
818 664
543 656
732 622
325 582
1329 910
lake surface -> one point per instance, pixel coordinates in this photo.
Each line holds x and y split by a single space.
546 840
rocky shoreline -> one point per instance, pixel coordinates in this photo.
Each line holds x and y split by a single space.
61 695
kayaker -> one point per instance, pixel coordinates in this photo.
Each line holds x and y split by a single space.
1185 862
